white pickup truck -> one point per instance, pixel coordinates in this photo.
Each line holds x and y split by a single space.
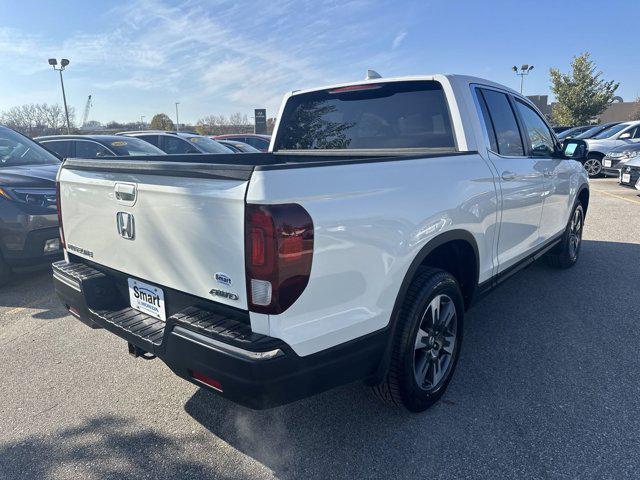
350 251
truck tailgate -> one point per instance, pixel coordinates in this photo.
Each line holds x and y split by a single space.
187 223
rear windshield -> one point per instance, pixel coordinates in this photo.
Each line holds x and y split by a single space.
396 115
208 145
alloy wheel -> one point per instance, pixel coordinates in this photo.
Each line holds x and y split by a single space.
435 343
593 166
575 233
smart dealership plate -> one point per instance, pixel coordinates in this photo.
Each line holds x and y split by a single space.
147 298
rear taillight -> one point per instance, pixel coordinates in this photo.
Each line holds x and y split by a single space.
59 208
278 254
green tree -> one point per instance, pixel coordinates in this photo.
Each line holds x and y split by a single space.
161 121
581 94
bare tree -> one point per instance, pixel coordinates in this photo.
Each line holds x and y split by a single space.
220 124
271 123
37 119
238 119
52 116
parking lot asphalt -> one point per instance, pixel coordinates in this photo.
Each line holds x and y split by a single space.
548 386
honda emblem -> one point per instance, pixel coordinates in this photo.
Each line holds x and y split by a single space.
126 225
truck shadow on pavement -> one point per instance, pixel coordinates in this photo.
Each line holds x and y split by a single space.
103 447
546 387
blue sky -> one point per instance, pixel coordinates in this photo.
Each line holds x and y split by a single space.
138 57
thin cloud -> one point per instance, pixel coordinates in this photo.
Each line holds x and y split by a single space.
201 55
398 40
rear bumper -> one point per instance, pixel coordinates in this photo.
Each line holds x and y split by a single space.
613 168
204 343
634 178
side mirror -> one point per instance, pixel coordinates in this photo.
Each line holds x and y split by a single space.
624 136
575 149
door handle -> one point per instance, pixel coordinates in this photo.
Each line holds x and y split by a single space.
507 175
125 192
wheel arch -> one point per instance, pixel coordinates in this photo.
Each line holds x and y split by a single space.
583 197
432 254
595 154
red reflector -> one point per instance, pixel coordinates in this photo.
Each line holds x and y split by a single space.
355 88
215 384
74 311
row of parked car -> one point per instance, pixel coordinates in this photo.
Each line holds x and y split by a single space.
151 142
614 149
28 220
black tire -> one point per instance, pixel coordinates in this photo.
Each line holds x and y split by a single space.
593 165
566 254
401 386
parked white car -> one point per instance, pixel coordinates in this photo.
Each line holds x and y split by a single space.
350 251
627 133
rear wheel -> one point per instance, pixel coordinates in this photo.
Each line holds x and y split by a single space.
566 254
593 166
426 342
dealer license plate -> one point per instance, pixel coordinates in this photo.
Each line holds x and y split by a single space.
147 298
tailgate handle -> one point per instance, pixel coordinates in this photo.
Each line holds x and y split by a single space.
125 192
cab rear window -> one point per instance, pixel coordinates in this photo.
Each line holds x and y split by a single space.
395 115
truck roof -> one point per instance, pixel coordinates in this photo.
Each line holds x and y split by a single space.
440 77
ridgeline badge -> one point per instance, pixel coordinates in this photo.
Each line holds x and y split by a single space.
223 294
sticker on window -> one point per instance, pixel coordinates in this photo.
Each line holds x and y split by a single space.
119 143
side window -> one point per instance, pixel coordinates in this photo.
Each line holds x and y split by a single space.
86 149
504 123
636 133
542 144
152 139
175 145
258 143
62 148
487 122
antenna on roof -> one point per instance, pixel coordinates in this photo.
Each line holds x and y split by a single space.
371 74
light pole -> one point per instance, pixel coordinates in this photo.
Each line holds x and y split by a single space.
177 118
524 70
63 63
142 121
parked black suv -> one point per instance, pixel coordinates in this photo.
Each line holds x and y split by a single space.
28 218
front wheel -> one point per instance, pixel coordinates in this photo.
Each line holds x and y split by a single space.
565 255
593 166
426 342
